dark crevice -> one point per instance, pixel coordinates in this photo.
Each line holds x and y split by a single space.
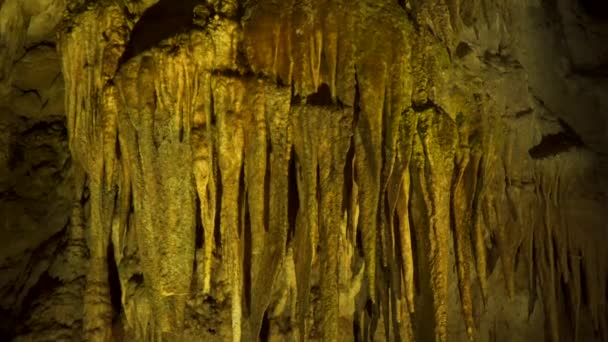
318 197
369 307
29 91
356 330
114 283
475 207
280 82
493 255
321 98
501 58
241 201
556 257
414 243
231 73
597 9
137 279
553 144
86 193
356 103
42 165
595 71
401 3
16 156
265 330
7 325
244 234
421 106
48 127
295 98
40 292
524 112
199 236
212 108
35 46
131 209
293 198
218 208
240 11
462 50
247 262
583 282
532 294
117 146
398 252
566 299
359 239
517 256
318 184
242 61
243 73
267 187
374 315
347 192
43 288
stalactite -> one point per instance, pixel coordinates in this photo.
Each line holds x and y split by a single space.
479 235
406 243
275 240
334 127
202 140
419 211
437 135
230 141
94 150
119 176
304 240
256 171
461 207
407 129
367 165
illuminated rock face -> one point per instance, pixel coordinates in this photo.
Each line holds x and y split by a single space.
323 170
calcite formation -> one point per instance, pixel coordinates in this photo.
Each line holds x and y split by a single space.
326 170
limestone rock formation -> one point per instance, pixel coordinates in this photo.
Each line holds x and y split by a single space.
315 170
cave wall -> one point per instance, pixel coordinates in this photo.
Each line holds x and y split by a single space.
42 253
317 170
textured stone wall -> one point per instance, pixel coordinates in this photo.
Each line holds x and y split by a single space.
304 170
42 252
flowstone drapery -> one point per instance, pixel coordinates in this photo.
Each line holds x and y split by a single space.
310 171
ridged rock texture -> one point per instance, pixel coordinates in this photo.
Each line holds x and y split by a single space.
304 170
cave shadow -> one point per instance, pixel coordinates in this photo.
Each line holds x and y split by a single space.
162 20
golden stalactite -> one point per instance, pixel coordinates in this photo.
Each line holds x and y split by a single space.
462 242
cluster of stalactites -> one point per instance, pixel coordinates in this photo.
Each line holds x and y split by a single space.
180 146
